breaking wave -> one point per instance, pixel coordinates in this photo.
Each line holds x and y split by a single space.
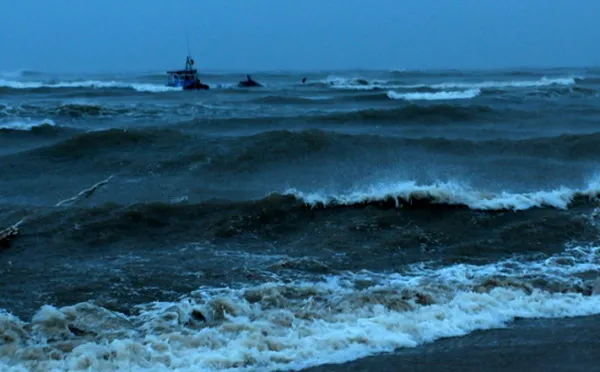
295 324
90 84
363 84
26 125
422 94
411 194
450 95
506 84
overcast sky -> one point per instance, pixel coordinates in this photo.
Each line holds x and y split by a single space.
142 35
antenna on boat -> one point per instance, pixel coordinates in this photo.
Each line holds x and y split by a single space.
187 41
189 62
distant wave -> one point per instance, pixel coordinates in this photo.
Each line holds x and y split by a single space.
247 152
357 83
90 84
397 115
433 113
440 113
364 84
81 110
98 143
26 125
18 74
450 95
342 83
370 97
71 110
289 100
561 91
503 84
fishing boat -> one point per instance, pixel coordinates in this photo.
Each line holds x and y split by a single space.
187 78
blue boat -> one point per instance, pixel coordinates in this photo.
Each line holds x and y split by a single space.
187 78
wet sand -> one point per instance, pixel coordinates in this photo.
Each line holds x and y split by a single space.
527 345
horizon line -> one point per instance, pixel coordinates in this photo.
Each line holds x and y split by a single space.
320 70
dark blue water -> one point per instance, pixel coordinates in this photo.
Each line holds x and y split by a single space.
292 225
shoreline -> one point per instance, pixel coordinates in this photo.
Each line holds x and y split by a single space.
532 345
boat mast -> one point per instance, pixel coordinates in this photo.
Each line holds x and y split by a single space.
189 62
187 41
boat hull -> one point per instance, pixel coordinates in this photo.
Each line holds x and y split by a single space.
186 79
190 86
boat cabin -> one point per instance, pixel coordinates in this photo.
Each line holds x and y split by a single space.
182 78
186 78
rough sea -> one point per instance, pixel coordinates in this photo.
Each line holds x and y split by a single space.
297 225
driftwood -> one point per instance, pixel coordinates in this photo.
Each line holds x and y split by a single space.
10 232
84 193
7 234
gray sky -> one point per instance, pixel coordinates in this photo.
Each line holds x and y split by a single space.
142 35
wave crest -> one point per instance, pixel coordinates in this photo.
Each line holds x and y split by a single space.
27 125
90 84
451 194
364 84
435 96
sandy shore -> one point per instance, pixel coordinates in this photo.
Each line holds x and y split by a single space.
527 345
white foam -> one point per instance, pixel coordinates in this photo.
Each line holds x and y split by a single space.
316 98
354 84
358 83
504 84
450 193
26 125
141 87
444 95
292 325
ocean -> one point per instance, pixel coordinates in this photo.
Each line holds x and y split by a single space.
358 216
